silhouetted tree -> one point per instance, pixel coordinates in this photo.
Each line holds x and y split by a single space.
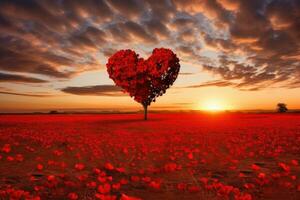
281 108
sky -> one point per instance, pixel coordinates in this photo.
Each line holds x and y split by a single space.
234 54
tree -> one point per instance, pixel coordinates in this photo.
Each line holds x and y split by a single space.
144 80
282 108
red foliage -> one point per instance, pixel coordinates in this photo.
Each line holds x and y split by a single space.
144 79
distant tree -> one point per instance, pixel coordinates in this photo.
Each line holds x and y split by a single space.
282 108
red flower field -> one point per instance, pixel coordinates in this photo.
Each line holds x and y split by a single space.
171 156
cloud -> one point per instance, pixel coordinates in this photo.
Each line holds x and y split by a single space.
210 8
222 83
129 8
253 42
108 51
183 22
159 29
187 50
95 90
19 78
218 83
34 62
50 38
270 46
225 45
27 94
186 73
137 32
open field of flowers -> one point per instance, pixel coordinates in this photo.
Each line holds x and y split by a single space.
170 156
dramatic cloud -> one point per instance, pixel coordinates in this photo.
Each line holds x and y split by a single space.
213 83
95 90
129 8
26 94
251 43
19 78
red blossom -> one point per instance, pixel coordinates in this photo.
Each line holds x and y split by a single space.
284 166
51 178
109 166
79 166
125 197
294 162
193 188
255 167
6 148
135 178
91 184
39 167
19 157
181 186
116 186
262 175
72 196
104 189
144 80
190 156
123 181
155 185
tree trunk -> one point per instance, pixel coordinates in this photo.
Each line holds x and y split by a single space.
145 112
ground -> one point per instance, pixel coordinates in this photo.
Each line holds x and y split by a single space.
170 156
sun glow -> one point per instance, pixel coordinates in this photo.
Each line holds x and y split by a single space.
213 106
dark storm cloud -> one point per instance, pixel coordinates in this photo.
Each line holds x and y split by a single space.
19 78
61 38
95 90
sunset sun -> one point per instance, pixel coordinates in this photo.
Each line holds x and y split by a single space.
212 105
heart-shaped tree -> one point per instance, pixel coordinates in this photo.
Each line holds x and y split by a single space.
144 79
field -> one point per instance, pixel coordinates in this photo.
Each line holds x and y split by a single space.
171 156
